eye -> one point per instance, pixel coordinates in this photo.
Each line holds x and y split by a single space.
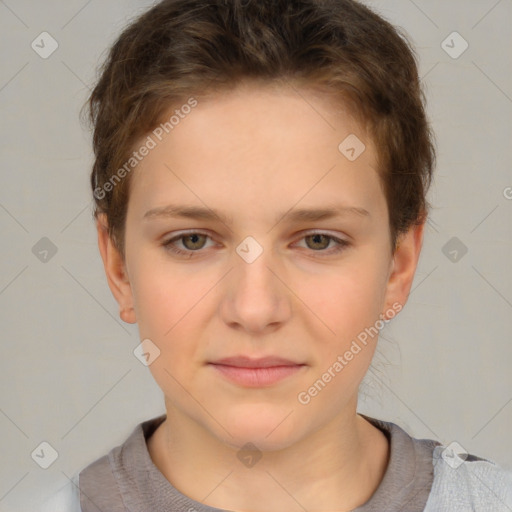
318 242
192 241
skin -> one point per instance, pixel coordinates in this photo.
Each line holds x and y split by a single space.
255 153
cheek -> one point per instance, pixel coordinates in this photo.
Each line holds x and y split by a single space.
162 295
166 315
347 299
348 303
170 308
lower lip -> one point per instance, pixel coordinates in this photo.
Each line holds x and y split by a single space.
257 377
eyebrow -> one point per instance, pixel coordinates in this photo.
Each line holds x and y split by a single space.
293 215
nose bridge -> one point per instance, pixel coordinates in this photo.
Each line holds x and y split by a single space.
254 260
256 296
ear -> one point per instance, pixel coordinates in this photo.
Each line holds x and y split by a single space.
115 270
403 266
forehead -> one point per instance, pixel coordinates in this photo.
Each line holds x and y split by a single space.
260 144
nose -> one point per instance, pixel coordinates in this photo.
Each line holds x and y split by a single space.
255 298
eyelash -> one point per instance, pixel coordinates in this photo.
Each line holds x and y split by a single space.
168 244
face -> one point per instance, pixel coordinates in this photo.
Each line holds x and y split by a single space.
269 274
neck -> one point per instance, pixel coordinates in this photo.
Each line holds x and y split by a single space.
337 467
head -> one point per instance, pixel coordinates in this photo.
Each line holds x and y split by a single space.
252 111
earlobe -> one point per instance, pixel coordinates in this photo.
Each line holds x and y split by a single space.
127 315
115 270
403 267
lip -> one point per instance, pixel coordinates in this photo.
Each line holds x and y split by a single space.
248 362
254 373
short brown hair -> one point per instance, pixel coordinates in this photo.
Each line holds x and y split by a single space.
184 48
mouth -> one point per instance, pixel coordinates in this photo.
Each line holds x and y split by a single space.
261 372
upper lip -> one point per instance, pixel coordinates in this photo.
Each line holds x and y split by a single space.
248 362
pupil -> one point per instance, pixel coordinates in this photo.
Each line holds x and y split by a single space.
193 239
317 238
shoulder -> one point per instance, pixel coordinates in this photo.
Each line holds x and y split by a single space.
99 487
92 487
448 478
468 483
105 482
115 478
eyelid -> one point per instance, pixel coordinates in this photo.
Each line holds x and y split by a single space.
180 234
168 243
308 232
341 243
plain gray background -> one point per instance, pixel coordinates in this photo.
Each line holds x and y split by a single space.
68 375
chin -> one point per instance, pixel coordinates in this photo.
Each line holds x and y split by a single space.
269 429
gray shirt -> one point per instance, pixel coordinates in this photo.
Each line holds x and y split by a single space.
422 475
127 479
